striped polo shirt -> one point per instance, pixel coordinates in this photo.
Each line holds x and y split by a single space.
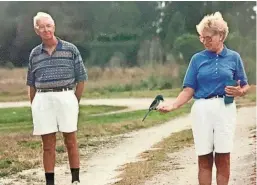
64 68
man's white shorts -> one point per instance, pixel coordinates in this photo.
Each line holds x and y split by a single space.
55 111
213 125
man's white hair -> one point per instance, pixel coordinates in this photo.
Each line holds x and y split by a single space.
39 16
213 22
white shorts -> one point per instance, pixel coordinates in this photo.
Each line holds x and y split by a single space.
54 111
213 125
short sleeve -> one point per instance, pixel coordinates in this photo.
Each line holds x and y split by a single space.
30 73
190 79
80 70
240 71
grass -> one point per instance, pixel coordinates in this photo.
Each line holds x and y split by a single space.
135 93
29 144
100 93
20 119
124 122
18 145
24 150
103 82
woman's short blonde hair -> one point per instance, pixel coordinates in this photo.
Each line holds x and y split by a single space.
213 22
39 16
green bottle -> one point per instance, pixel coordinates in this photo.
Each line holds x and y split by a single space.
230 99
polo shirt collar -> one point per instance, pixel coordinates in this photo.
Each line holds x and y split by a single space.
211 54
58 47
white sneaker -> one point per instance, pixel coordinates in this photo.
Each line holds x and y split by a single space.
75 183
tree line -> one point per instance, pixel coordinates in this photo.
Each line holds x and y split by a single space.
132 33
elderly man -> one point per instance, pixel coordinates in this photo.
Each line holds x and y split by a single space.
56 76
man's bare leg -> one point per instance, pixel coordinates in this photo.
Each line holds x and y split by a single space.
70 141
49 143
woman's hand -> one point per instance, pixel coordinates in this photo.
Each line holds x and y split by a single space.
234 90
165 107
183 97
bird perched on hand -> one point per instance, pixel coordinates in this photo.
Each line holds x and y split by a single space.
154 104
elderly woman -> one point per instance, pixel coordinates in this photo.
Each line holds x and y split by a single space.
205 80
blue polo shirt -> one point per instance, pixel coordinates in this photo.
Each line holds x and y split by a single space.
64 68
208 72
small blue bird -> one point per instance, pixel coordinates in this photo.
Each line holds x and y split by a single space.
154 104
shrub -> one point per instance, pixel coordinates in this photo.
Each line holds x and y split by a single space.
186 46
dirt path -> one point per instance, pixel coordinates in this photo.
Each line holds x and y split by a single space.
100 169
242 163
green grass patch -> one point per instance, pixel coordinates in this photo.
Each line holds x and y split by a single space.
124 122
98 109
20 119
11 166
107 92
60 149
5 163
14 115
30 144
134 115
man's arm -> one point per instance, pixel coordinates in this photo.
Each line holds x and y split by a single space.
31 93
80 74
79 90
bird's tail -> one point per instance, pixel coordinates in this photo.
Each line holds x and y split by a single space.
146 115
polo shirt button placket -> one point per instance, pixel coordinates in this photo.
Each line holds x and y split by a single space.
217 64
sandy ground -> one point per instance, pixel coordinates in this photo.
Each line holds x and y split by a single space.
101 168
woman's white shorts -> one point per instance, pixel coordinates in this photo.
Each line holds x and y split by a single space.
54 111
213 125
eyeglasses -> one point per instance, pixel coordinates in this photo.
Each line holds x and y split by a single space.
47 27
206 38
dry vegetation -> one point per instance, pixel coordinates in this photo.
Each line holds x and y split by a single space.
105 82
110 76
136 173
13 82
